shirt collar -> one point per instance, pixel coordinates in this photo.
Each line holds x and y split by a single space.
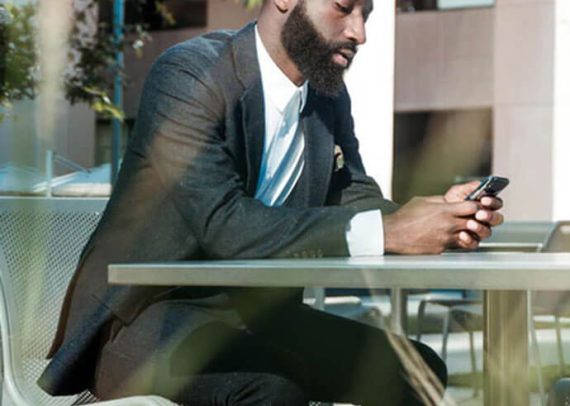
276 85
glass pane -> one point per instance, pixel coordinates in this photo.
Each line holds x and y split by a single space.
435 149
447 4
407 6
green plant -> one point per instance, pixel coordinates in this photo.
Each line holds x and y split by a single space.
18 67
92 56
92 52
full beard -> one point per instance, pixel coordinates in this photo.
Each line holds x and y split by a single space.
312 53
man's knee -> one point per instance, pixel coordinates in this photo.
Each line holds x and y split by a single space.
269 389
433 362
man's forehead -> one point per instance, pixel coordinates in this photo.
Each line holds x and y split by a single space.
368 7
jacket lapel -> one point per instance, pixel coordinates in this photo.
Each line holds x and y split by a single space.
252 107
318 123
253 122
317 120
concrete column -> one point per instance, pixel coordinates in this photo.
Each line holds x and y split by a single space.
525 132
54 25
370 81
561 135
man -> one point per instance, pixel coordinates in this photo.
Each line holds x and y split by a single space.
244 148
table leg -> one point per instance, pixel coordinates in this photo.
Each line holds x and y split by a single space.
397 309
320 298
506 348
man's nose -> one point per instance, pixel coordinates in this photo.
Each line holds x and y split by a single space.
356 30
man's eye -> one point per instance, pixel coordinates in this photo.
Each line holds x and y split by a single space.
343 8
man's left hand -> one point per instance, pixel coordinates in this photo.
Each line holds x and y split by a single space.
488 216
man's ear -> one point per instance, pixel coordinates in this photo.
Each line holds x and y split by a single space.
282 5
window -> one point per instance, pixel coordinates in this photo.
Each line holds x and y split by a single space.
435 149
407 6
161 14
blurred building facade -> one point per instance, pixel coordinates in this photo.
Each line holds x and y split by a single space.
473 87
510 60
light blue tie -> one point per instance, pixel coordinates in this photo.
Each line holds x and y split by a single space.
283 163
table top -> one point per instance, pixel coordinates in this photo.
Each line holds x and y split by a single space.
501 271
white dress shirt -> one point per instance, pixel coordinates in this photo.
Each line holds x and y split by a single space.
283 157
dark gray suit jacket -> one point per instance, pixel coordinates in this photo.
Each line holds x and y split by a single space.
186 187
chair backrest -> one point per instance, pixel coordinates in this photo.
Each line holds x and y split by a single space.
554 302
559 239
40 243
520 236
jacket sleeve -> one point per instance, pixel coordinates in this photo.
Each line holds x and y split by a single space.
181 132
350 186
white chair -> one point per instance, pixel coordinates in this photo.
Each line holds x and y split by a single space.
40 243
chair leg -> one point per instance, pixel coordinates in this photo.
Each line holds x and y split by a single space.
446 323
380 317
472 352
473 361
319 298
560 347
397 309
420 320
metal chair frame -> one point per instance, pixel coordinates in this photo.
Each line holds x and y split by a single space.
40 242
519 236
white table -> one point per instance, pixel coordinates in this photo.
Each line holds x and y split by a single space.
505 277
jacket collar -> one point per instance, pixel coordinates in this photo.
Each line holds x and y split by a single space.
245 56
317 119
318 122
252 107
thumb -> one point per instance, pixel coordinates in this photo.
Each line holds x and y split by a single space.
459 192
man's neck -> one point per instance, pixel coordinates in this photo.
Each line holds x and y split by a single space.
271 37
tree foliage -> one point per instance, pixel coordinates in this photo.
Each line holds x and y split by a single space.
18 67
91 57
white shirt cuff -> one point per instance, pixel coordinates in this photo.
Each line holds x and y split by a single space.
365 234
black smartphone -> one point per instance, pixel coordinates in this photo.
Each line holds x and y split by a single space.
489 186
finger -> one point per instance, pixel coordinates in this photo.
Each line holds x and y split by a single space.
474 228
467 241
458 193
493 218
484 216
464 208
492 202
480 230
497 219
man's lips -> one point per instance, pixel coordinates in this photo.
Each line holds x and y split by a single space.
343 56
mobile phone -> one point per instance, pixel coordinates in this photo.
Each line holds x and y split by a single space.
489 186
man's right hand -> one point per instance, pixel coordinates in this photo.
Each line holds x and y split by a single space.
430 225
